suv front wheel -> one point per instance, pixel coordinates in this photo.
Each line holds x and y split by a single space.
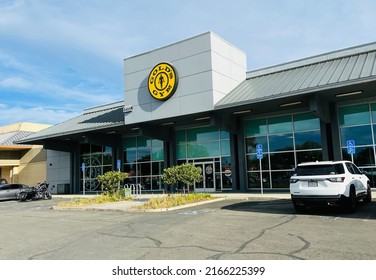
352 202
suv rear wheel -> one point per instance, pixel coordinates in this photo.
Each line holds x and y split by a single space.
298 207
368 198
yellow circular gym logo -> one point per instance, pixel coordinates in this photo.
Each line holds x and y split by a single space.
163 81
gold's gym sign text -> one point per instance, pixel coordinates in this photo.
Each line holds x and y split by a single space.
163 81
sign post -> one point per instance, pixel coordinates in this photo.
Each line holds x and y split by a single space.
260 156
83 177
118 164
351 149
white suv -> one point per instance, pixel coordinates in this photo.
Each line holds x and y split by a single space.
329 183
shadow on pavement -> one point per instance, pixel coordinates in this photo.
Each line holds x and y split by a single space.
365 211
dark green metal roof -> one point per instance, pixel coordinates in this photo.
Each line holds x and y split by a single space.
105 116
336 69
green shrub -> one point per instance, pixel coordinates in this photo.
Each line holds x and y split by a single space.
185 173
111 180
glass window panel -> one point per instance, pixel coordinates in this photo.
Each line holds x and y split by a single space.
143 142
353 115
143 154
156 142
95 160
130 142
226 181
251 143
255 127
202 134
308 140
280 124
96 149
253 163
85 149
181 151
157 168
157 153
362 135
130 156
306 121
145 183
282 142
180 162
206 149
226 163
128 168
364 156
373 110
180 136
225 148
107 169
107 149
281 179
308 156
282 161
224 134
156 182
254 181
107 159
144 169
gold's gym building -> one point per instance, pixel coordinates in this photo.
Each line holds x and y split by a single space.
194 101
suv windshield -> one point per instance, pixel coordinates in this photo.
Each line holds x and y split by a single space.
327 169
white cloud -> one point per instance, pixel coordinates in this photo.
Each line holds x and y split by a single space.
15 82
9 115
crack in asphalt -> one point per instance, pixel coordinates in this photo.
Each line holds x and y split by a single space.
221 253
41 254
261 234
154 240
241 248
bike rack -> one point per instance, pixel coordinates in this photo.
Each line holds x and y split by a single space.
135 189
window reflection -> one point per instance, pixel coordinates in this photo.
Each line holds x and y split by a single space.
286 140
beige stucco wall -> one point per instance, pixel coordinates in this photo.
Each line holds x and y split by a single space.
26 164
32 168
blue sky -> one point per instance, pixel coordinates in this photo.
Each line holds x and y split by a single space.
60 57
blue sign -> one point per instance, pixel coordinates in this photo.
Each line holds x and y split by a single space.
83 167
118 163
259 151
350 147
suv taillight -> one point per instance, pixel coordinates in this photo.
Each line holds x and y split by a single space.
337 179
293 181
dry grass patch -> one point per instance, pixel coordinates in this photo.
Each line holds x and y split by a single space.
174 200
100 199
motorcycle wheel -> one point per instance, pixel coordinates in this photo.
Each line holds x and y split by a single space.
48 195
22 196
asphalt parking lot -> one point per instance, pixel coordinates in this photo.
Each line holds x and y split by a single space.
231 229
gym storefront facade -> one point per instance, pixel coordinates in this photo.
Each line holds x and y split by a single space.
194 101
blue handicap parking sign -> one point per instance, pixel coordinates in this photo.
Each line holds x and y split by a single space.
350 147
259 151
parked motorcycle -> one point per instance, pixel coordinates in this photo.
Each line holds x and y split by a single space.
34 193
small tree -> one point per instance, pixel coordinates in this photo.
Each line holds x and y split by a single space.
186 173
110 180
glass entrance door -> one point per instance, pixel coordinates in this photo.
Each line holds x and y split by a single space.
208 180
